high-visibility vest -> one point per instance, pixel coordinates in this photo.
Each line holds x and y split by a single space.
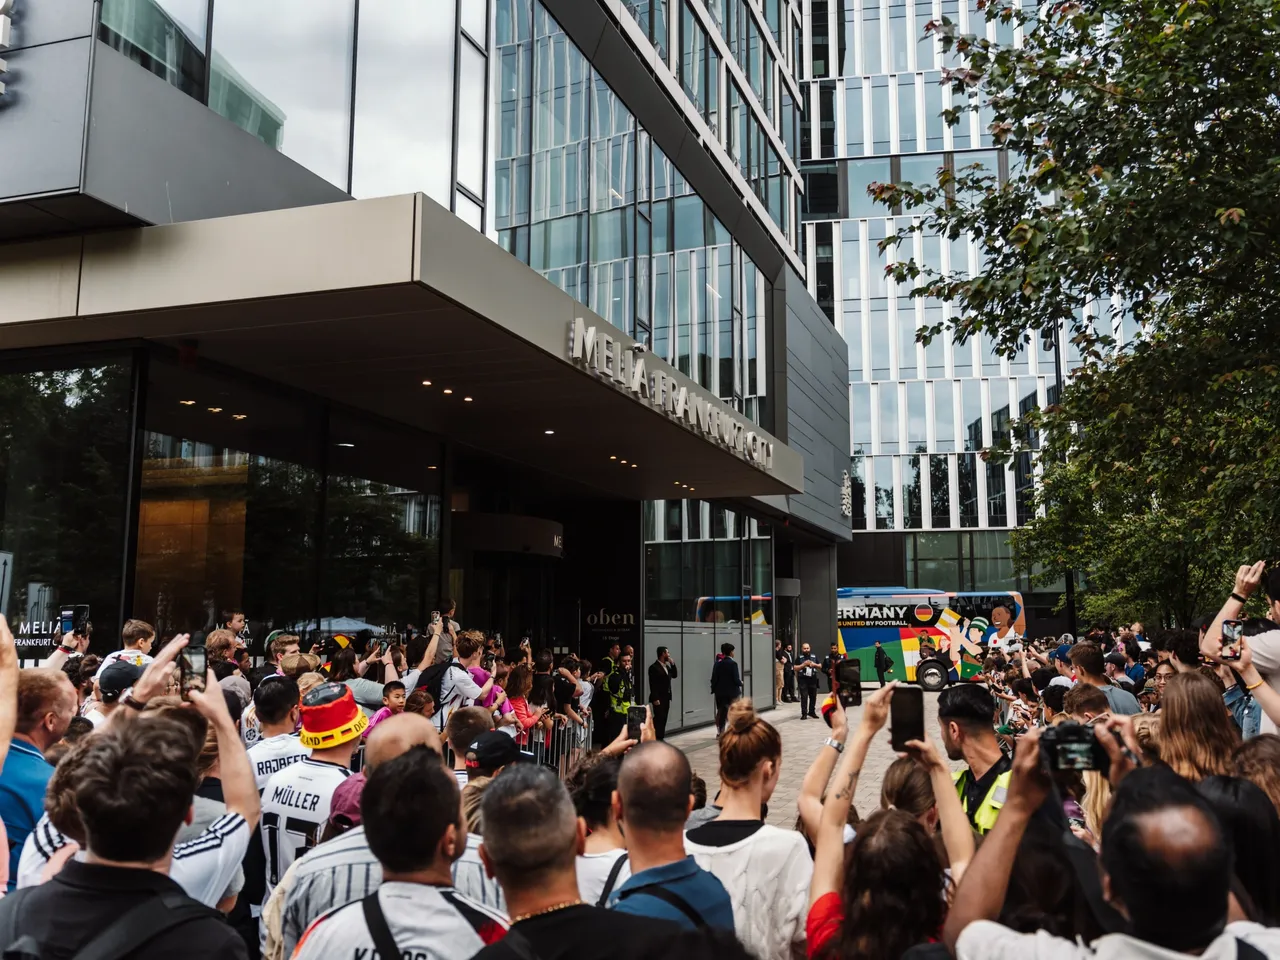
984 818
621 700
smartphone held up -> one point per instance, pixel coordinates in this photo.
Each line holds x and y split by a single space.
636 717
194 662
848 683
906 716
1232 635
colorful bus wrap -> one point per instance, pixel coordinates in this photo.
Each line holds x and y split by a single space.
915 627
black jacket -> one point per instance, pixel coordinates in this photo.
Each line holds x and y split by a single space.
883 660
726 680
84 899
660 677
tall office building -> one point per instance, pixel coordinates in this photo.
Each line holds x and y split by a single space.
334 308
927 510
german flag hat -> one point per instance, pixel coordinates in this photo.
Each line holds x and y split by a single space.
330 716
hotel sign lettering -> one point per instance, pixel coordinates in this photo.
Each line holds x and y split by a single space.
611 359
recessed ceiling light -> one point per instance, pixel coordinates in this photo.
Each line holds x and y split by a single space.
239 416
613 458
466 399
691 489
448 390
634 465
426 383
431 467
685 485
676 482
622 461
187 403
548 432
346 444
215 409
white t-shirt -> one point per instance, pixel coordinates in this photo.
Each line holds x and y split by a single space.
593 874
588 690
1061 681
985 940
270 756
461 777
457 689
203 866
295 806
95 716
250 729
431 923
136 657
1266 657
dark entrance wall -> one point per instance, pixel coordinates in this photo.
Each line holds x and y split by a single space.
599 597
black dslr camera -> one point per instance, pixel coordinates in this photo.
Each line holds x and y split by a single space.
1073 746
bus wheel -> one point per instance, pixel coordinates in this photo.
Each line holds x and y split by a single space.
931 676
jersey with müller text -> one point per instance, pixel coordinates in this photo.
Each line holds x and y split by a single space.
268 757
295 806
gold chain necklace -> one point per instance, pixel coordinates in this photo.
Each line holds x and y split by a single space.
551 909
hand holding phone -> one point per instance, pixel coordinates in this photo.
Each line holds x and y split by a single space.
1232 634
848 676
636 717
195 664
906 716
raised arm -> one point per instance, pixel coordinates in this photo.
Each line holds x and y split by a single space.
981 894
239 790
828 860
1248 579
957 835
815 781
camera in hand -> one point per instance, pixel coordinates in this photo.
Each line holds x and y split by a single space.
1073 746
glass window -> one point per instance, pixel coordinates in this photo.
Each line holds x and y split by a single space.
944 416
884 492
1028 400
912 502
851 260
898 42
166 37
64 489
933 122
925 44
468 211
971 413
888 417
870 37
405 58
1023 481
967 488
475 20
917 417
860 416
863 173
858 482
960 138
693 60
907 113
939 493
907 369
288 87
878 330
880 142
853 113
997 515
1000 422
471 116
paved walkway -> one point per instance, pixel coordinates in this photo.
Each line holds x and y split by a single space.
801 742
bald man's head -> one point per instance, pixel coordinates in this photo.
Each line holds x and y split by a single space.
654 787
395 735
1167 862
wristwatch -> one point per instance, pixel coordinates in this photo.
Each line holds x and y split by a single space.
833 742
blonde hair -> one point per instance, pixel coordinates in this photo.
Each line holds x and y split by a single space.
307 681
907 788
472 794
1147 728
747 742
1197 739
1096 800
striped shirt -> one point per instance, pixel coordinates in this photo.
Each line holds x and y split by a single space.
344 870
203 867
433 923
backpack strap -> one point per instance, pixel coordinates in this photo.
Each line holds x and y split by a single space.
1247 951
613 879
142 924
671 899
378 928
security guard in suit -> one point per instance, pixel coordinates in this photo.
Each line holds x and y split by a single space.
966 714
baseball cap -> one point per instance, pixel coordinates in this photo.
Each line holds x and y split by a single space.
344 811
492 750
1115 659
330 716
1063 653
118 678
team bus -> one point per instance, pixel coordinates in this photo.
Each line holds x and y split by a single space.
934 637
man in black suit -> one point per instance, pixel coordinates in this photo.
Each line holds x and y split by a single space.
661 672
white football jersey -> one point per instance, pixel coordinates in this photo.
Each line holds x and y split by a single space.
295 807
273 754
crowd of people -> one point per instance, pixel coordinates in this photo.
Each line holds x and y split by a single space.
1114 796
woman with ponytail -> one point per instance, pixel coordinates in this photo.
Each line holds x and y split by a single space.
766 870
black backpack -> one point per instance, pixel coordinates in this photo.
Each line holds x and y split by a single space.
432 680
123 938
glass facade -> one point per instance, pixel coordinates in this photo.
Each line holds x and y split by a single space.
737 64
377 98
583 195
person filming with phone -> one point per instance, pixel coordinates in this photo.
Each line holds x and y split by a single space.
1224 641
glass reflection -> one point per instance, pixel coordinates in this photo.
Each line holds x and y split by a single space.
166 37
282 72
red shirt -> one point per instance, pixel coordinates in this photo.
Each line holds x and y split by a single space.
823 924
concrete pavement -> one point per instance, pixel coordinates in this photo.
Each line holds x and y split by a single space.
801 742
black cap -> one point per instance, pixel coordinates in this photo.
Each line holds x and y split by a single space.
117 678
492 750
1115 659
